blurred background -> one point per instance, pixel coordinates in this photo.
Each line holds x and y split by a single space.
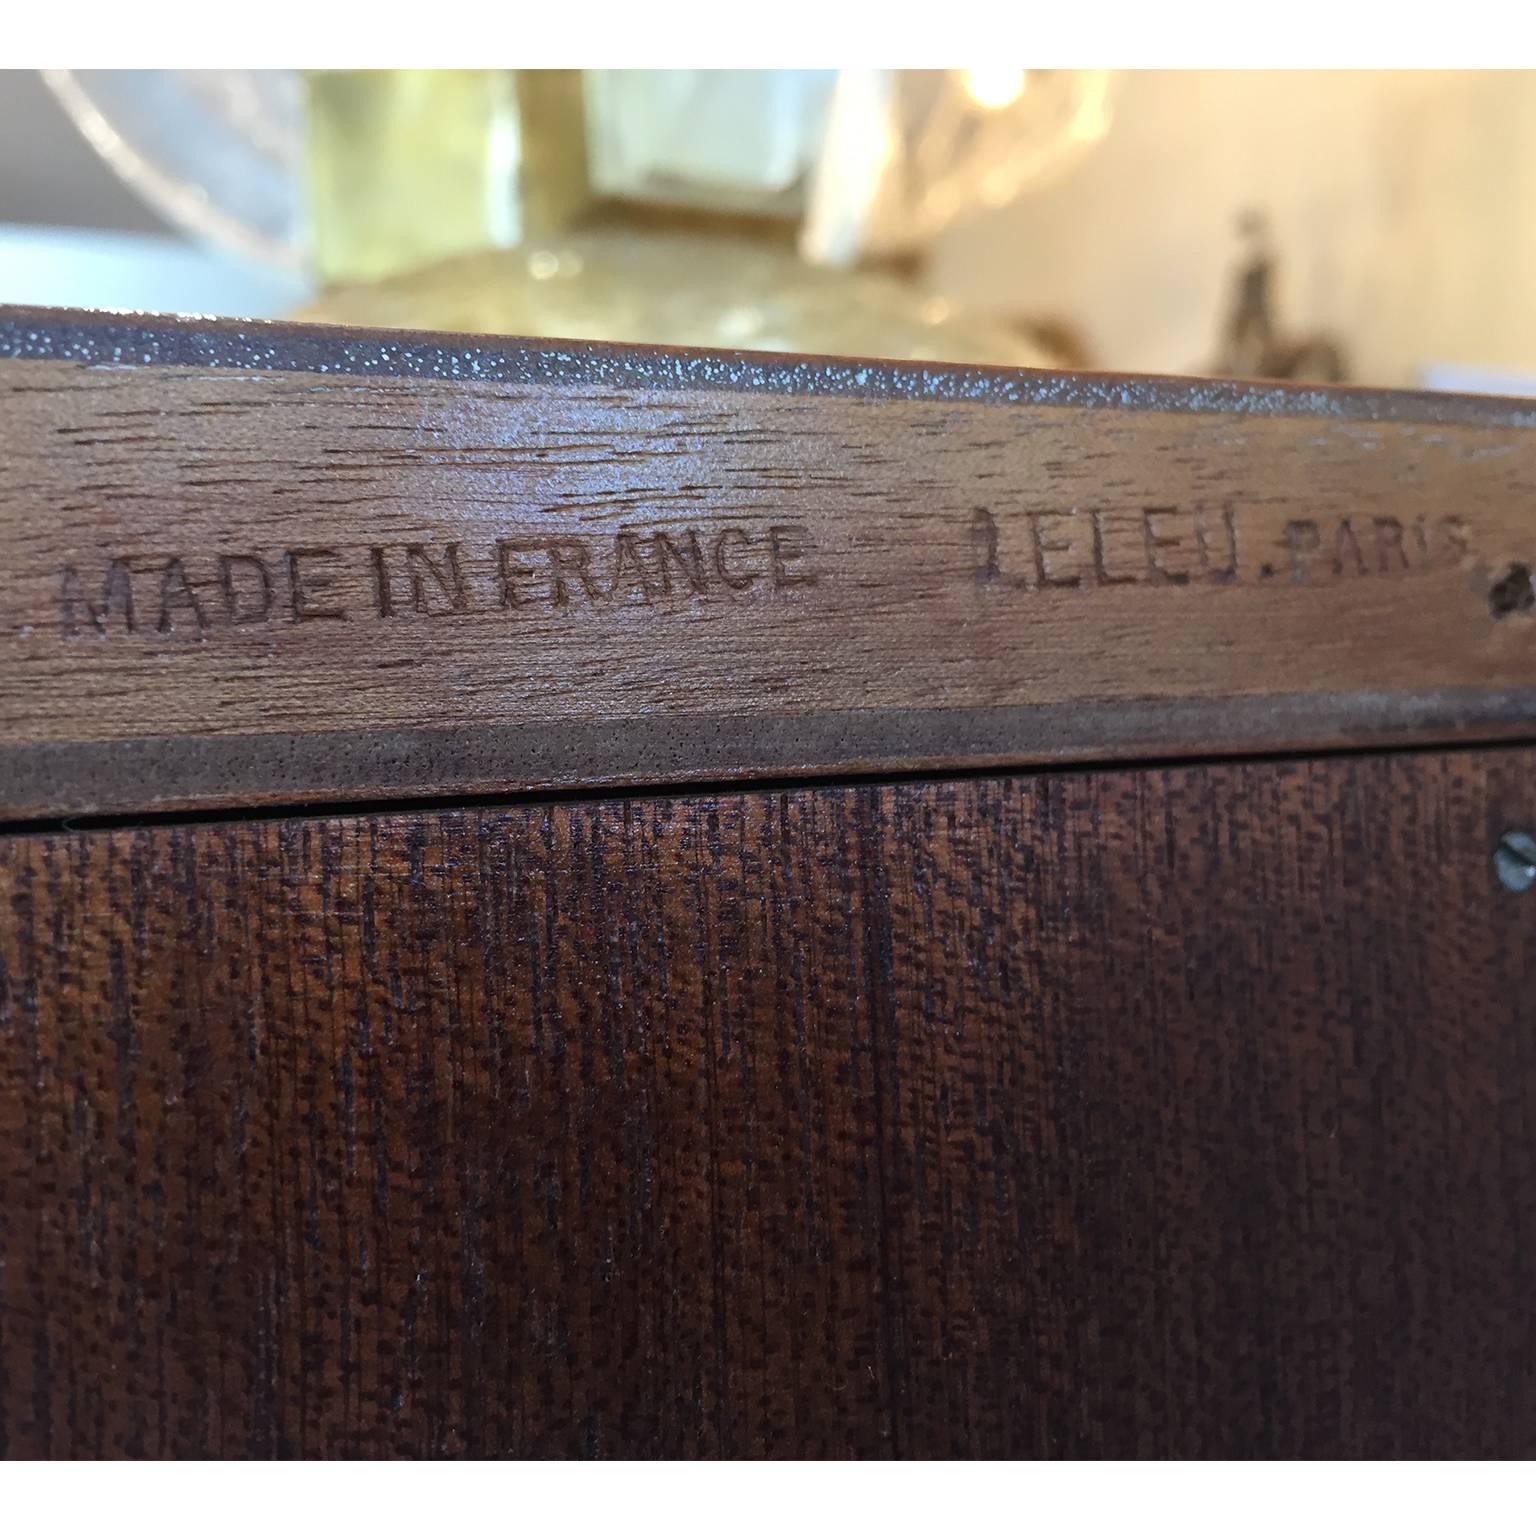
1374 227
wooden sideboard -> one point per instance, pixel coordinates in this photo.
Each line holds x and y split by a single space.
572 901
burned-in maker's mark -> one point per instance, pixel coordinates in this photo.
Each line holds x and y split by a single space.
1040 549
190 593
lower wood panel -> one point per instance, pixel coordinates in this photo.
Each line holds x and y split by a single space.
1164 1112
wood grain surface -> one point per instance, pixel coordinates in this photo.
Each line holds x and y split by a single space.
1154 1112
278 564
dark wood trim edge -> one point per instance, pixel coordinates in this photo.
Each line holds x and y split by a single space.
153 774
104 339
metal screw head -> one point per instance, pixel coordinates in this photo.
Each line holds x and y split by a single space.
1514 860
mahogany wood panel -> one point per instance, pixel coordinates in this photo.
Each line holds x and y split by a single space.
250 563
1177 1111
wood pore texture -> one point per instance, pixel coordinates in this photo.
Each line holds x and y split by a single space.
1176 1111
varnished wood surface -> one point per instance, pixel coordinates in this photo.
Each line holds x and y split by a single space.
1146 1112
281 564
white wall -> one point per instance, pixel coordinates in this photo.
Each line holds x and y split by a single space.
1403 205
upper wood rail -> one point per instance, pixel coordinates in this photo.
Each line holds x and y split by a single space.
249 563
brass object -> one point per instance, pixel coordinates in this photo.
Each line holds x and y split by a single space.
681 289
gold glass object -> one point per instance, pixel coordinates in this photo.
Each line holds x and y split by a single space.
587 265
407 166
738 208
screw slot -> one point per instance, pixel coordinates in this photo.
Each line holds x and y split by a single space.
1514 861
